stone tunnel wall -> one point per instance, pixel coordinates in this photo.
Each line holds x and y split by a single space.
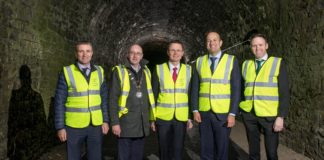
40 33
296 31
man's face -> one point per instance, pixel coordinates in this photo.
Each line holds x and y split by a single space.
259 47
84 53
175 52
135 54
213 42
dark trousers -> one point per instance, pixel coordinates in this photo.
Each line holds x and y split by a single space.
214 136
78 137
171 135
253 126
130 148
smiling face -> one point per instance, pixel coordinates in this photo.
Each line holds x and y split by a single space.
259 47
213 43
135 54
175 52
84 53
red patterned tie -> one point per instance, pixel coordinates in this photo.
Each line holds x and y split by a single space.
174 75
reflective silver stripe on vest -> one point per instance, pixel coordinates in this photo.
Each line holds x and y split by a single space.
147 71
216 81
264 84
261 84
161 75
122 72
266 98
99 73
121 108
224 81
200 60
227 69
85 93
74 92
245 69
124 93
72 81
273 69
168 105
188 77
222 96
174 91
150 91
94 108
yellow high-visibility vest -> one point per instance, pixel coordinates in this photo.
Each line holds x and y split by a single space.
215 89
125 86
173 97
261 91
83 104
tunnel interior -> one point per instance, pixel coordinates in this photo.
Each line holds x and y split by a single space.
155 53
41 34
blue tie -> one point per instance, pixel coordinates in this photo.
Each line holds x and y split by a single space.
212 66
84 70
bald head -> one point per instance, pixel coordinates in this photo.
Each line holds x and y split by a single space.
213 42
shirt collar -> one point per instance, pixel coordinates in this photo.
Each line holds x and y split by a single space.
81 66
136 69
171 66
265 57
218 55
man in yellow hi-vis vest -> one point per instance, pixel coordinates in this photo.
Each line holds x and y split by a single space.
171 86
81 105
131 104
215 96
266 100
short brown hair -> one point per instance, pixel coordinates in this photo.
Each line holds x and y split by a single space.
213 31
80 43
134 44
258 35
175 41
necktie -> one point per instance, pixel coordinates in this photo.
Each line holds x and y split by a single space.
259 64
212 66
174 74
84 70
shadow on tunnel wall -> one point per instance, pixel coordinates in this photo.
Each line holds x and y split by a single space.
27 128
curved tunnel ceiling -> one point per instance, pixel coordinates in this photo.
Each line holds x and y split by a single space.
152 22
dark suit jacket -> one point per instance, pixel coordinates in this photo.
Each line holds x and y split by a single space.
235 89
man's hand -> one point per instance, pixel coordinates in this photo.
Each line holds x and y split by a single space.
189 124
279 124
61 134
105 128
197 117
230 121
153 127
116 130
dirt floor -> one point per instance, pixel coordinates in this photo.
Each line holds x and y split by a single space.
238 147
